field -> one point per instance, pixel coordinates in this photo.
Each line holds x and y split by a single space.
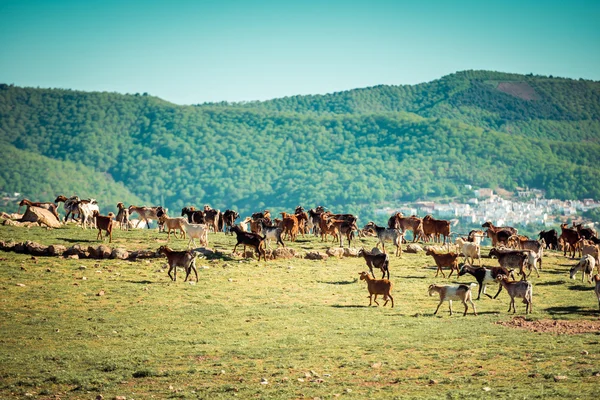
75 329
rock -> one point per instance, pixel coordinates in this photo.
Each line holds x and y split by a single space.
19 248
82 267
73 257
350 252
140 254
99 397
264 381
585 353
120 254
316 255
205 251
4 246
284 253
119 398
36 249
414 248
77 250
433 382
377 365
20 285
99 252
335 252
40 215
486 389
559 378
100 293
56 250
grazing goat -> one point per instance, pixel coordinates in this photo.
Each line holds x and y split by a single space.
123 216
444 260
454 292
520 289
381 261
105 223
185 259
46 205
484 276
383 234
171 224
253 240
469 250
377 287
586 264
596 279
194 231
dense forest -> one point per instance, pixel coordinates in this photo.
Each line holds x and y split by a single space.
352 151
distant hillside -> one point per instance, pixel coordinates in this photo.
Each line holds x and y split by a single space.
351 151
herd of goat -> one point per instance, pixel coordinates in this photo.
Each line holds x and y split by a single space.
514 252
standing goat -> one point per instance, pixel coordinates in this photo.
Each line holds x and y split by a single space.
444 260
123 216
383 234
253 240
520 289
381 261
453 292
185 259
377 287
105 223
484 276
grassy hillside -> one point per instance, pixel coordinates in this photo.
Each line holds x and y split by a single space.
350 151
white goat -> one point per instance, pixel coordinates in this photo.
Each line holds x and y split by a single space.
469 250
586 264
86 210
520 289
194 231
454 292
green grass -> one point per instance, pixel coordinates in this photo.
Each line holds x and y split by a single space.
302 325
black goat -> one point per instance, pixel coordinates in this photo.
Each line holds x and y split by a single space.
484 276
253 240
381 261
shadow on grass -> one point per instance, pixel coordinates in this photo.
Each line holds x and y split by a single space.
415 277
339 282
78 240
349 306
555 272
582 288
570 310
553 283
142 282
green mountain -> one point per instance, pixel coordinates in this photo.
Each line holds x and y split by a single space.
351 151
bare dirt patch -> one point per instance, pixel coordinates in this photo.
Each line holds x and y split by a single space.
561 327
521 90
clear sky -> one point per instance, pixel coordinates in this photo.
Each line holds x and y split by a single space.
190 52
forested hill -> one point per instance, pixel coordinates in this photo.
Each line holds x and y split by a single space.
351 151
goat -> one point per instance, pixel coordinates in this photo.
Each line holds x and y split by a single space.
171 224
596 279
383 234
512 259
289 225
185 259
469 250
586 264
484 276
271 232
194 216
253 240
550 238
70 206
454 292
229 217
570 238
105 223
377 287
123 216
194 231
499 234
520 289
412 223
593 250
586 233
475 236
381 261
436 228
444 260
86 211
145 213
46 205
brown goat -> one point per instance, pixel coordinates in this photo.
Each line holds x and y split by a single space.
377 287
444 260
184 259
105 223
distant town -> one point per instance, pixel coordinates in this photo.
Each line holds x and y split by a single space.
525 207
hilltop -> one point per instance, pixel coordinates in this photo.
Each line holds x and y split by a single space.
352 151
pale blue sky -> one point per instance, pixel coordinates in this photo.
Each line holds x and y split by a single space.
191 52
